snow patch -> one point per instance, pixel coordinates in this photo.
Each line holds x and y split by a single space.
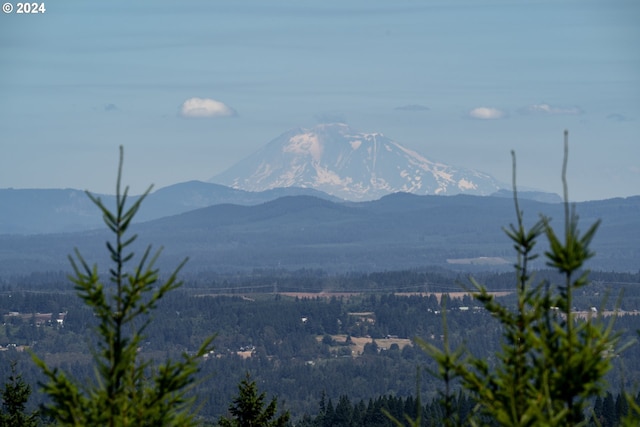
370 136
464 184
290 177
326 176
446 176
306 143
413 154
263 172
355 144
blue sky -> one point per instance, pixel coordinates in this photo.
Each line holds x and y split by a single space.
462 82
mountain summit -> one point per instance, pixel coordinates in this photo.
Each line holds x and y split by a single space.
340 161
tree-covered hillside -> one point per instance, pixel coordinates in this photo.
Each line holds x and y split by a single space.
295 348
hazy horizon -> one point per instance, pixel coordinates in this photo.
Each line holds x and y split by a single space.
191 88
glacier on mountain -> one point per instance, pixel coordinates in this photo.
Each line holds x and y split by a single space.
352 165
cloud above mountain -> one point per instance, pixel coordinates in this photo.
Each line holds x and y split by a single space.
486 113
205 108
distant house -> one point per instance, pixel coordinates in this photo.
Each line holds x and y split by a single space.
39 319
60 319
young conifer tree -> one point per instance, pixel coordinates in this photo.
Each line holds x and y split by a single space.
551 364
127 390
14 395
248 409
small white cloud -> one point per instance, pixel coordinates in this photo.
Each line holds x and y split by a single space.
205 107
486 113
551 110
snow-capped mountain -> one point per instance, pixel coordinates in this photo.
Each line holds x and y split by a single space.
340 161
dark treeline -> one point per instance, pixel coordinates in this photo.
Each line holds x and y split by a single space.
607 411
434 279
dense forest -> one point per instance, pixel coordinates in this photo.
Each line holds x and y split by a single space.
305 336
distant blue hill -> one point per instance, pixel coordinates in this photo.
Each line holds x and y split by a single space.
398 231
42 211
37 211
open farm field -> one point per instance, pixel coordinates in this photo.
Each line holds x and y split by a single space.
358 343
438 295
320 294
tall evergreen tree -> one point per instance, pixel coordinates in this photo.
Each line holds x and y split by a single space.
128 391
15 395
551 365
248 408
343 412
608 411
622 408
